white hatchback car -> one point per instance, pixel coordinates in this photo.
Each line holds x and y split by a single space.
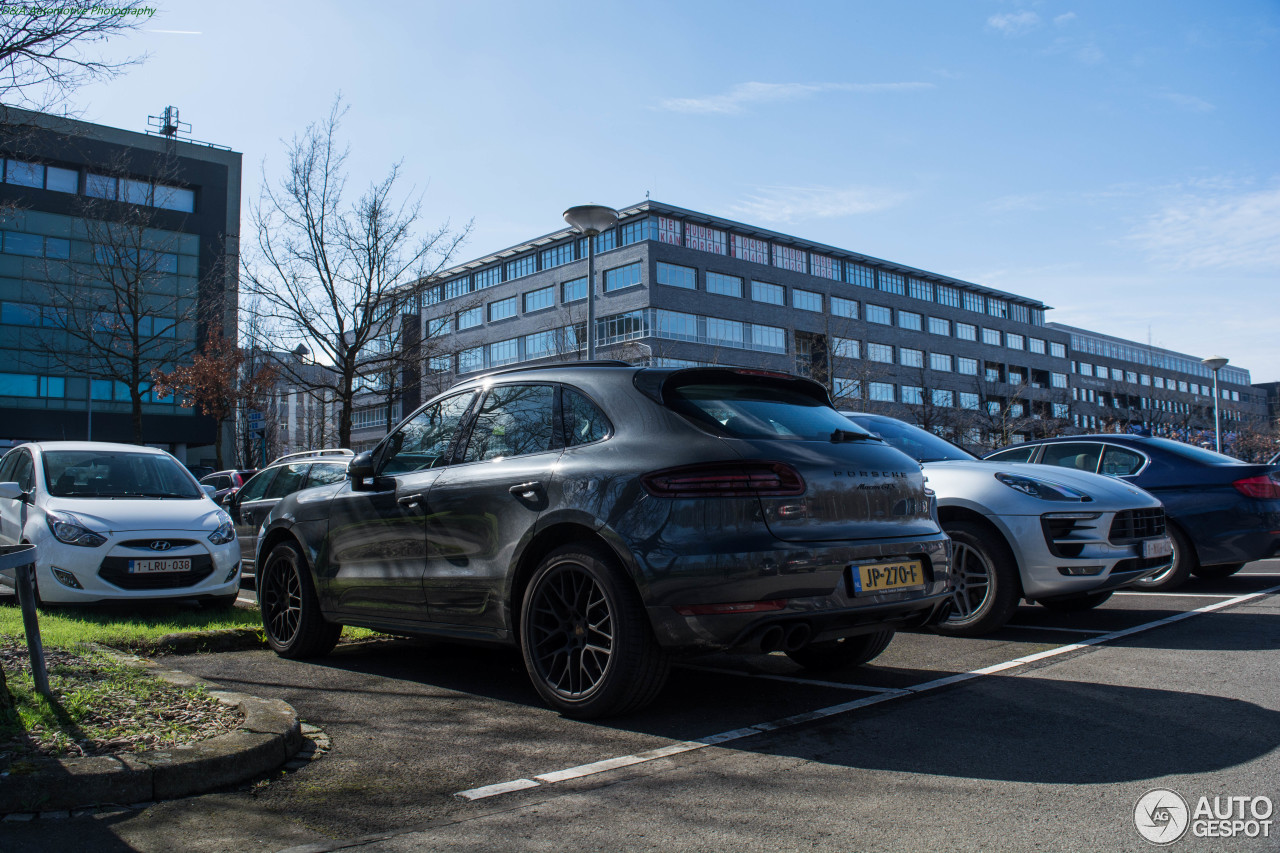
115 522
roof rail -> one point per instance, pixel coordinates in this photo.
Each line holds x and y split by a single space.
607 362
311 454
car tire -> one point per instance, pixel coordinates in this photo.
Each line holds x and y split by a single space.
1076 603
1184 563
987 586
585 636
291 614
842 653
1222 570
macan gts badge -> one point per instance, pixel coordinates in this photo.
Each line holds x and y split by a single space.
605 519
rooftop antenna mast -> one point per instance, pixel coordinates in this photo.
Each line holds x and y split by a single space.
167 123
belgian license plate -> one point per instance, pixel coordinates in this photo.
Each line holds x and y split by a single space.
1156 548
146 567
870 578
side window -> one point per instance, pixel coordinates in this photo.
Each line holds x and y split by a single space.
1080 455
1017 454
583 420
23 474
1120 461
515 420
424 441
6 468
323 473
288 480
256 487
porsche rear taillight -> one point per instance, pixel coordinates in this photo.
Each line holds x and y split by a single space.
725 480
1262 487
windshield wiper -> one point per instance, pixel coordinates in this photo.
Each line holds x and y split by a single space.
846 435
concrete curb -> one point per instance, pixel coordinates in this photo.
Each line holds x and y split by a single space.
269 736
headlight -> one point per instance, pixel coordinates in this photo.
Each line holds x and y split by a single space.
226 531
67 528
1042 489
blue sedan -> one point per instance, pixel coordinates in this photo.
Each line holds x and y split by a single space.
1222 513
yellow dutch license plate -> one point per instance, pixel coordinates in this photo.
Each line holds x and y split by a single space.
871 578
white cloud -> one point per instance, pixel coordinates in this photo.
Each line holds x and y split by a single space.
1013 24
1187 102
1063 20
736 99
791 204
1237 231
1090 54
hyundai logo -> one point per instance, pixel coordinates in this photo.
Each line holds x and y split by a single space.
160 545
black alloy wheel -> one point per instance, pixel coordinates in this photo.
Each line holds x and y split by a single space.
291 614
585 637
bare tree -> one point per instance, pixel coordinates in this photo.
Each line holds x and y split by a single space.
46 49
328 272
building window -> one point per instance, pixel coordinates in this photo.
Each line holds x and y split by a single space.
845 348
920 289
991 337
750 249
910 320
824 267
1013 341
536 300
1057 350
768 338
488 278
728 332
943 398
912 394
1131 377
635 231
457 287
521 267
1144 378
1085 369
880 391
910 357
669 231
974 301
1019 313
677 276
573 291
882 353
705 239
969 400
1117 374
940 361
470 318
1037 316
504 352
806 300
997 307
790 258
725 285
557 256
966 331
939 326
879 314
1036 345
676 325
967 366
1058 380
848 389
502 309
892 282
470 360
841 307
773 294
859 275
948 295
619 278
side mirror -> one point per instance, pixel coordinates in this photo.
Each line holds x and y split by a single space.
360 469
13 492
211 492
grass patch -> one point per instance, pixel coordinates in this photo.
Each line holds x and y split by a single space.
133 626
101 706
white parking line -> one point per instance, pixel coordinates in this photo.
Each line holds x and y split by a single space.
607 764
839 685
1177 594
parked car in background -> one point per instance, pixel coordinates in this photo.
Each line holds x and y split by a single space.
249 505
602 518
225 483
115 522
1222 512
1063 539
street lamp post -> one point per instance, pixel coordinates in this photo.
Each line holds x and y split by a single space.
1215 364
590 220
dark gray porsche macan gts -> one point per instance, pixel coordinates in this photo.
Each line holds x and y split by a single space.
605 518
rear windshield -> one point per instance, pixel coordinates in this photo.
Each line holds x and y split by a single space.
116 474
1190 451
921 445
757 411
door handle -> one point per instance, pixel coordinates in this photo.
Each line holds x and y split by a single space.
410 500
528 491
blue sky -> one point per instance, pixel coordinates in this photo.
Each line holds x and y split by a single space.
1117 160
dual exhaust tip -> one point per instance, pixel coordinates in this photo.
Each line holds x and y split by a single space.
783 637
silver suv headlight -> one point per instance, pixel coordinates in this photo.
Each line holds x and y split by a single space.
71 530
1043 489
226 531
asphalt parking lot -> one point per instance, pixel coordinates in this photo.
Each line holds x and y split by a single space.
1041 737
